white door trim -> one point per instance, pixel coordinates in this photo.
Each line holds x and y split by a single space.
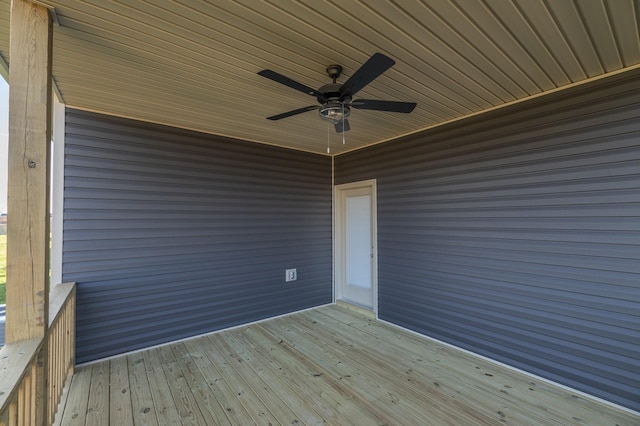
339 237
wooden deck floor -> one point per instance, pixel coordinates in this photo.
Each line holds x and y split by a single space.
325 366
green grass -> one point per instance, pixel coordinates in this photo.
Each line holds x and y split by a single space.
3 269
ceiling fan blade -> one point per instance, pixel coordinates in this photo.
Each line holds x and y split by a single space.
339 126
279 78
294 112
390 106
369 71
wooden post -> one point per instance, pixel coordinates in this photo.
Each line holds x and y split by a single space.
28 177
28 185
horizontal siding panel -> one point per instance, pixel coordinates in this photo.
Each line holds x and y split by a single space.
435 212
538 336
550 271
405 241
528 152
542 298
228 265
621 224
472 300
614 197
126 248
506 257
593 236
199 224
611 297
171 233
515 235
229 233
198 244
573 119
164 176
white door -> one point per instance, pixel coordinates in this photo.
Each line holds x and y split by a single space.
356 244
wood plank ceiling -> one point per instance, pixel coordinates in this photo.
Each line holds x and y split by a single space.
193 63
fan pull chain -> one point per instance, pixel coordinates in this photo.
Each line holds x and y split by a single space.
343 124
328 130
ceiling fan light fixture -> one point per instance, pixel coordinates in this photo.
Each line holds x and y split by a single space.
334 111
336 99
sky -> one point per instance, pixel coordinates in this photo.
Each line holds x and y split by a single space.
4 138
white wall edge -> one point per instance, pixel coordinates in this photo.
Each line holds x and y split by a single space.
57 189
516 369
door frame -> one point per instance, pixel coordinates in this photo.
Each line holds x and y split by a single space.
339 266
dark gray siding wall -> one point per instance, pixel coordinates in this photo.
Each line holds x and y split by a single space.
516 235
171 233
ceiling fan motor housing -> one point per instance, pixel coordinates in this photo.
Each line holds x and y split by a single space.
331 92
334 72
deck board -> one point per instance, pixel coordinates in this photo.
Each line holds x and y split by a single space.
231 366
142 405
369 388
281 387
330 365
206 401
384 379
231 406
98 406
75 409
119 392
164 406
188 410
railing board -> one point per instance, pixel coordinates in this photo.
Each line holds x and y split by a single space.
61 342
15 359
57 298
23 365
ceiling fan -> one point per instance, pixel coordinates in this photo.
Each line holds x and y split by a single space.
336 99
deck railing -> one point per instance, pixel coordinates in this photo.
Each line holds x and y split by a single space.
61 343
24 401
